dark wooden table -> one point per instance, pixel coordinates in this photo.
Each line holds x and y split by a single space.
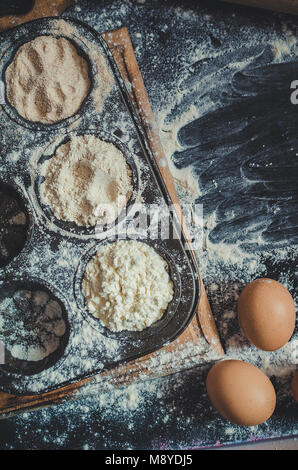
175 44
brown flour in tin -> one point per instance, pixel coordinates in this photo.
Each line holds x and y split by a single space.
48 80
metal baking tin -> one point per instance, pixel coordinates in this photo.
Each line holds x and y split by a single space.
41 263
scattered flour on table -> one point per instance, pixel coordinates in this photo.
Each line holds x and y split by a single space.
225 268
127 286
87 181
48 80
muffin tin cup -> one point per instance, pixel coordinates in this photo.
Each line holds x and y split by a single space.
58 252
71 228
21 367
126 335
7 58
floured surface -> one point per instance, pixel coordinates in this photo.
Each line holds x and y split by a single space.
169 408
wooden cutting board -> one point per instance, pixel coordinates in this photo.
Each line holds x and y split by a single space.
202 329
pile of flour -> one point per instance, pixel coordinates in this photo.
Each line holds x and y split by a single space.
87 181
48 80
127 286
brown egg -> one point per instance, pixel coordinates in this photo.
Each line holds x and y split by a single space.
266 313
295 386
241 392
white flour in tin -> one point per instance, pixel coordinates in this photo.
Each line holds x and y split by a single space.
127 286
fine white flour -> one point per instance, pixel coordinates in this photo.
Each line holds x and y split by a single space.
127 286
